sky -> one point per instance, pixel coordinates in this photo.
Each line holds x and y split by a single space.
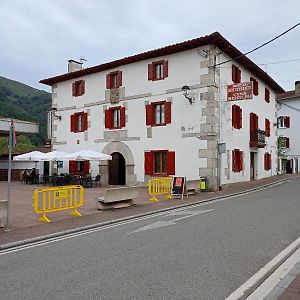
38 37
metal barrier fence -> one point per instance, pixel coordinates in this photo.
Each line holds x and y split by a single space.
159 186
54 199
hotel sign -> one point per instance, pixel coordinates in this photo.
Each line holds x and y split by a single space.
239 91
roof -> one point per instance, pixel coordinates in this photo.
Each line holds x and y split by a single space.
213 39
286 95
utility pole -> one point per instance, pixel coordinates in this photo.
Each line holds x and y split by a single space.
10 145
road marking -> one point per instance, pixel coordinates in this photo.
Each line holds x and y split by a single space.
264 271
120 223
160 224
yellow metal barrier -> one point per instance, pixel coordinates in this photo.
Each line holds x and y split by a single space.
54 199
160 186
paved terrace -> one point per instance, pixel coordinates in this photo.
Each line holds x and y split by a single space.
24 222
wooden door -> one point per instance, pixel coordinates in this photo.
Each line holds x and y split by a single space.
117 169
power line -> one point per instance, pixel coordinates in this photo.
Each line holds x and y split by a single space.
264 44
280 62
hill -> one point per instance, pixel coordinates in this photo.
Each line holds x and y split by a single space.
20 101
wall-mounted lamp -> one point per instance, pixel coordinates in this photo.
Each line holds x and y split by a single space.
54 113
188 94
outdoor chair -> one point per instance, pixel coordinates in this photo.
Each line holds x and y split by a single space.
96 181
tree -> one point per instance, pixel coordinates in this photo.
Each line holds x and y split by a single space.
23 144
281 148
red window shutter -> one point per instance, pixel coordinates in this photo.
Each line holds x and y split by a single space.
73 123
122 117
148 163
233 115
267 95
240 118
150 71
108 118
86 167
233 160
149 114
82 87
171 163
167 112
84 121
270 161
266 161
73 89
108 81
238 75
119 78
241 160
267 127
287 122
233 75
287 142
72 166
165 68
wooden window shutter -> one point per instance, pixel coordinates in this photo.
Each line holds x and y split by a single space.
108 118
267 95
149 114
122 117
150 71
119 78
234 160
240 120
73 89
86 167
108 81
165 68
73 123
287 122
238 75
267 127
233 75
72 166
233 115
241 161
148 163
287 142
167 112
171 163
270 161
266 161
82 87
84 121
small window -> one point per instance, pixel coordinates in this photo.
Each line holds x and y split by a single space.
114 80
268 161
236 74
115 117
237 117
267 95
158 70
78 88
158 113
160 162
80 166
79 122
267 127
255 86
237 160
283 122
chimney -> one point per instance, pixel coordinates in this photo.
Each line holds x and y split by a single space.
297 88
74 66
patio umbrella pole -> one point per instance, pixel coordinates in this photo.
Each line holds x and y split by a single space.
10 144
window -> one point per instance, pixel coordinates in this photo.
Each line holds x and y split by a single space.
267 127
115 117
267 95
160 162
283 122
158 70
79 167
236 74
268 161
255 86
237 115
283 142
237 160
114 80
79 122
158 113
78 88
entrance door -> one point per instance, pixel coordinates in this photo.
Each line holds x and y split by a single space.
289 166
252 165
117 169
46 168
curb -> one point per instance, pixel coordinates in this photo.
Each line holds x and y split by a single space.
93 226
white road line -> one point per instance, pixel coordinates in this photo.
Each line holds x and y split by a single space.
263 271
73 235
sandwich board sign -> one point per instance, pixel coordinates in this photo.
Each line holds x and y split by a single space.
178 186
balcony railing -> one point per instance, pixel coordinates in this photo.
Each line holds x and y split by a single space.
257 138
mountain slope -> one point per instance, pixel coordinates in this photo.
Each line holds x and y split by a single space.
20 101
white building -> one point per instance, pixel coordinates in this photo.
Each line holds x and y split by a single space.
134 109
288 121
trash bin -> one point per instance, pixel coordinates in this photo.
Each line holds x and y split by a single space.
203 184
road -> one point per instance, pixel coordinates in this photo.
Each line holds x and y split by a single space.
202 252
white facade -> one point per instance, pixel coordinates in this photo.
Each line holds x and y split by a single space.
289 106
195 129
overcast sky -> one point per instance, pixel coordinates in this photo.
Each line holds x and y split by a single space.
37 37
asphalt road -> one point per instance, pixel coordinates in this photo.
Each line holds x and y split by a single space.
202 252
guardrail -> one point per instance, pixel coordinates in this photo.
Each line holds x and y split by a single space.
159 186
55 199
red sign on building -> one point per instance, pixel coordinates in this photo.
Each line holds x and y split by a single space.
239 91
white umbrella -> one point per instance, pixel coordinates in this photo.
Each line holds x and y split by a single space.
87 155
30 156
54 156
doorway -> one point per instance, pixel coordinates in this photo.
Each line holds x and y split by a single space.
46 168
117 174
289 166
252 166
